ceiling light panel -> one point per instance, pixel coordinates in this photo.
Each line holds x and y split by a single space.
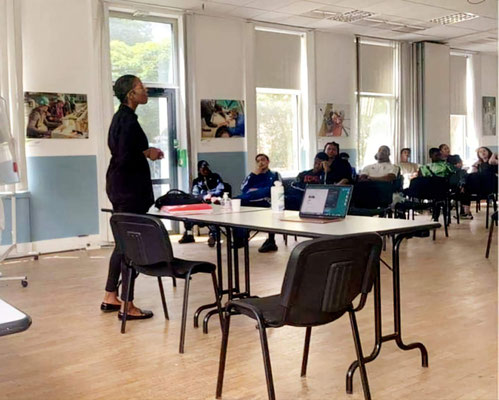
352 16
454 18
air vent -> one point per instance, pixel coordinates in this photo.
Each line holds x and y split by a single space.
454 18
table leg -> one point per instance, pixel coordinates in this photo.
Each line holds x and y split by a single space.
397 335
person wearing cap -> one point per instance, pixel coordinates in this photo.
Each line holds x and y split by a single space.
208 184
312 176
128 182
38 124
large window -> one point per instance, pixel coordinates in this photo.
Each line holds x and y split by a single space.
281 82
277 128
377 97
145 47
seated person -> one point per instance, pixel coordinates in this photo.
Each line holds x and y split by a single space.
457 182
340 170
437 167
346 157
255 192
408 169
383 170
487 161
207 185
444 151
312 176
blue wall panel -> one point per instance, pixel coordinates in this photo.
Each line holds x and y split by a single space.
231 166
64 201
22 217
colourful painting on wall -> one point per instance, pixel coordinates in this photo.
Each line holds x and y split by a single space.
222 119
489 116
333 120
56 115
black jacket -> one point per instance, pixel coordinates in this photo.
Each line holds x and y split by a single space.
128 178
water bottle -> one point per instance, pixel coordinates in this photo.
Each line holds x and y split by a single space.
226 201
277 197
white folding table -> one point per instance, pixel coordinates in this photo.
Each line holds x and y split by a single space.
267 221
12 320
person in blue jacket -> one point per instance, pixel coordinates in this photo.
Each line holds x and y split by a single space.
255 192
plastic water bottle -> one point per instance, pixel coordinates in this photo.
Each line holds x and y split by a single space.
277 197
226 201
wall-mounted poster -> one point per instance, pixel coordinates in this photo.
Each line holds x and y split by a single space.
333 119
489 115
56 115
222 118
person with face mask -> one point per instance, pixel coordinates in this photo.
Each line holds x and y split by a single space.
383 170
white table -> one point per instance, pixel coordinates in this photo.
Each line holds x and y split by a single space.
12 320
261 219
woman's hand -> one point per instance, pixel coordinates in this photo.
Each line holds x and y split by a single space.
154 154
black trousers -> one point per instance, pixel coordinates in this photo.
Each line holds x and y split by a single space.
117 265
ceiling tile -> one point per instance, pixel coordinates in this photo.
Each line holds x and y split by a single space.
300 7
406 9
231 2
297 20
272 16
218 8
270 5
487 8
446 32
359 4
328 2
246 12
478 24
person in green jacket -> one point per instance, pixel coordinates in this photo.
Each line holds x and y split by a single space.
437 167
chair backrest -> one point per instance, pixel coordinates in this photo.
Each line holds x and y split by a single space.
324 276
228 189
142 239
372 194
428 188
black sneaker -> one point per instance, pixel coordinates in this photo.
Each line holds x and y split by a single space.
212 241
186 239
267 246
466 216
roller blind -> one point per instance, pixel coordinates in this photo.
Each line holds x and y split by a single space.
458 85
277 59
376 68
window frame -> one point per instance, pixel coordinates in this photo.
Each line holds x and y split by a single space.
298 138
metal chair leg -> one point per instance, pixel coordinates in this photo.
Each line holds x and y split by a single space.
127 296
217 299
489 241
360 356
223 356
184 313
174 280
306 348
285 237
266 360
163 299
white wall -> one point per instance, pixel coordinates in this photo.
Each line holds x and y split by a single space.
335 68
488 87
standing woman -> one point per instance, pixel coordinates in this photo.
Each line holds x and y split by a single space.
128 180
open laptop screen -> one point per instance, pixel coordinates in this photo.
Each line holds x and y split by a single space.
327 201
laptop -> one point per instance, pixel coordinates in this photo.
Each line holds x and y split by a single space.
324 203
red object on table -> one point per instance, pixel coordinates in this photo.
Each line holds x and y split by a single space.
188 208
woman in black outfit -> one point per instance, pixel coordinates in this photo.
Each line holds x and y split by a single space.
128 180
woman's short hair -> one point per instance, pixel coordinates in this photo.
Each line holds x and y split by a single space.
264 155
122 86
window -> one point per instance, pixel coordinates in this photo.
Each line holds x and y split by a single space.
280 87
377 96
458 135
277 128
145 47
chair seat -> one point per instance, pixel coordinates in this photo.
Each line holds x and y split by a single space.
367 212
273 312
178 268
269 306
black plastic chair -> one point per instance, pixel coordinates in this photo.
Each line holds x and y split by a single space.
428 193
493 221
483 186
323 277
145 244
371 198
